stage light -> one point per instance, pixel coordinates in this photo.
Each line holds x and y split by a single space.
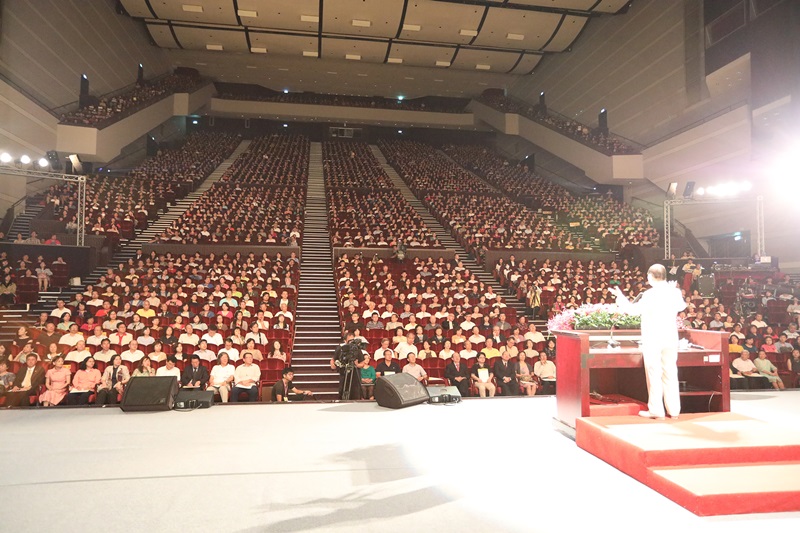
194 122
286 91
43 163
401 98
285 125
5 157
25 160
400 131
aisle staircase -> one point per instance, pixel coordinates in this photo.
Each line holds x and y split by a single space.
444 236
22 223
317 330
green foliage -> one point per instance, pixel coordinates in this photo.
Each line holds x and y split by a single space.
606 319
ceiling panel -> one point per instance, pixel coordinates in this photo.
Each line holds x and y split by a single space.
421 55
137 8
535 27
280 14
233 40
496 60
383 15
567 34
369 51
610 6
161 35
281 44
441 22
213 11
526 64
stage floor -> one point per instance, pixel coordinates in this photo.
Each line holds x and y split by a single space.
484 465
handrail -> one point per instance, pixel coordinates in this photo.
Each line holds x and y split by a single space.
26 93
109 94
707 118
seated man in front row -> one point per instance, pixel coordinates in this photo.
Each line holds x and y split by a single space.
457 372
195 376
285 391
245 379
745 375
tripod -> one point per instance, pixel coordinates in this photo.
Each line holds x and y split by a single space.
349 371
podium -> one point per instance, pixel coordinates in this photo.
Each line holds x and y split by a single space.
596 380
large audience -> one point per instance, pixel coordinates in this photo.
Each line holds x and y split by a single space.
260 200
351 165
424 168
109 109
116 203
592 137
260 94
616 223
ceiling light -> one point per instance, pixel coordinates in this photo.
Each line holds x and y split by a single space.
331 72
442 63
309 18
258 50
250 66
309 53
189 8
354 57
411 27
438 80
25 159
480 66
5 157
246 13
201 64
409 78
363 75
469 33
43 163
362 23
217 47
515 37
284 69
396 60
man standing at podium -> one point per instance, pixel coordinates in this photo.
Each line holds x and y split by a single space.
658 307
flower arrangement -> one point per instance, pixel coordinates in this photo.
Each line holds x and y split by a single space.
594 316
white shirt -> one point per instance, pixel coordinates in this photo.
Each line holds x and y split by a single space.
133 356
213 338
378 355
233 353
104 356
95 340
189 338
206 355
415 370
534 336
659 307
403 349
222 373
77 356
546 370
70 339
124 340
59 312
468 354
162 372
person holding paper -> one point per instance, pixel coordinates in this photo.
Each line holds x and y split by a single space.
482 377
658 307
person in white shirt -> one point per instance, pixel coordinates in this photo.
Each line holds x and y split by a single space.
285 312
59 310
378 355
212 336
468 352
133 354
121 337
221 377
233 353
105 353
204 353
406 347
467 325
245 379
544 368
96 337
189 337
533 335
73 337
146 339
413 368
79 353
759 321
169 368
476 337
659 307
257 336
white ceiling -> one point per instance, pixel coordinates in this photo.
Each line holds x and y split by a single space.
487 41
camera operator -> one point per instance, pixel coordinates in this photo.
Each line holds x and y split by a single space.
349 351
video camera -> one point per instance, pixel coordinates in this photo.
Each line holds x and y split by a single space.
349 353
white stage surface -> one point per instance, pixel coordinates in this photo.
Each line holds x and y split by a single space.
484 465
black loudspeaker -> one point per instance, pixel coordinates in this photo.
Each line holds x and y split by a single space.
399 390
194 399
150 394
706 285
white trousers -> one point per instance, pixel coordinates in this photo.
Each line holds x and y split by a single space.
661 369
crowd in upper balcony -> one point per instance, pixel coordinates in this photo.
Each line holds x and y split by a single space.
424 168
118 204
616 223
109 109
592 137
258 93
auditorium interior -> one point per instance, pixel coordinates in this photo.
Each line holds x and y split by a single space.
256 202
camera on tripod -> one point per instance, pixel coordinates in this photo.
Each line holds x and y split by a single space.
350 353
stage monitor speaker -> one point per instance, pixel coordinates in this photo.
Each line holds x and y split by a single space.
194 399
150 394
399 390
706 285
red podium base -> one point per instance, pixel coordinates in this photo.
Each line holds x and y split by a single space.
711 464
